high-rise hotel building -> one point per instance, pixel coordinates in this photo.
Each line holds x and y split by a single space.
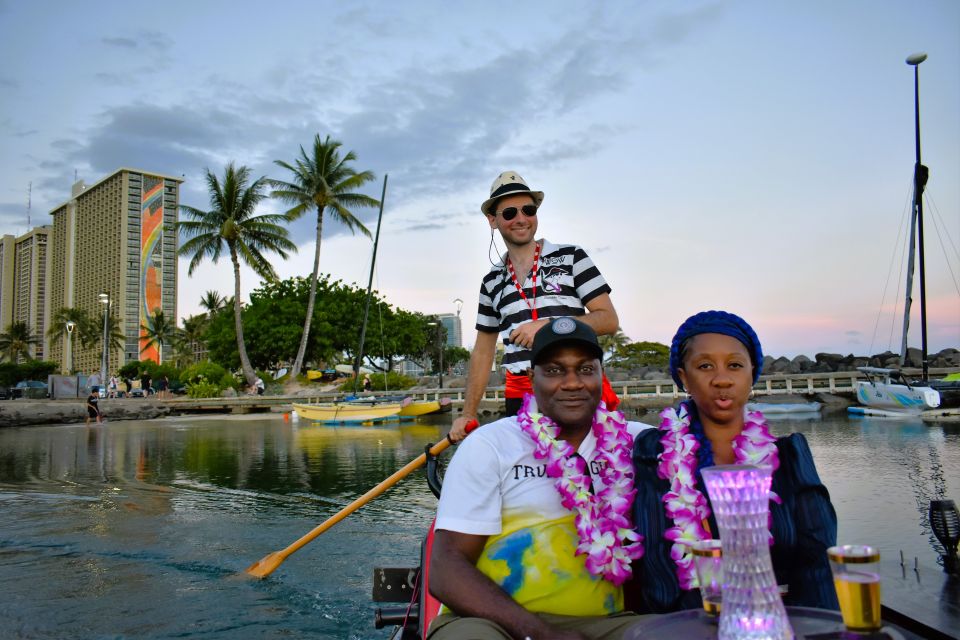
24 268
116 237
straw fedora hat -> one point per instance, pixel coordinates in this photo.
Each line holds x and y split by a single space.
508 183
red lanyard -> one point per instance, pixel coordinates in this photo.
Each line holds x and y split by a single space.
516 283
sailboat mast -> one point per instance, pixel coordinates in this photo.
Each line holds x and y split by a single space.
366 307
920 175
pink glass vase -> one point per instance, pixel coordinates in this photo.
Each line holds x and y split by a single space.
752 608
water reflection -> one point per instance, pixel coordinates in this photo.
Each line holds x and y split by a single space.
140 528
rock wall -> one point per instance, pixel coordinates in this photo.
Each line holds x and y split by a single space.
27 412
822 363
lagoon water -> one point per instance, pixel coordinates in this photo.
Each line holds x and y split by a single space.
142 529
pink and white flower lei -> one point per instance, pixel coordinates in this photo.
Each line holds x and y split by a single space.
684 503
606 534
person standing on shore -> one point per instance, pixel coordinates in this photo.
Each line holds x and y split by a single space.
94 382
93 408
534 282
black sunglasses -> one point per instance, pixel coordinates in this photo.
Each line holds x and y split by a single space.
510 213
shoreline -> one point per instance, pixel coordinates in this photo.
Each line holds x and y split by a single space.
24 412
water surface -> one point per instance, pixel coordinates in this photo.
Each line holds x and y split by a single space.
143 528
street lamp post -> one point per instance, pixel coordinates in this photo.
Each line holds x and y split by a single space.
105 357
459 332
71 325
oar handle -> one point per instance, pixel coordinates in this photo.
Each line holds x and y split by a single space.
259 569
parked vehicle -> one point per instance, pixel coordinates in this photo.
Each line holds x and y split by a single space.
30 389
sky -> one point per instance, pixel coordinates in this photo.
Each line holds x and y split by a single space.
751 156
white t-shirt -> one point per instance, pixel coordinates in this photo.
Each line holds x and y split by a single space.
495 487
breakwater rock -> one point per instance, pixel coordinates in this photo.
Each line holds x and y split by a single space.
27 412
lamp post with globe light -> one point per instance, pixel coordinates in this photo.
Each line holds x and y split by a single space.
459 332
71 325
105 356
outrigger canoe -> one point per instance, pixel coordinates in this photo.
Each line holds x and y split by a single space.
347 411
416 408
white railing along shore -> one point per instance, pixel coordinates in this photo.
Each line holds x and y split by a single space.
767 385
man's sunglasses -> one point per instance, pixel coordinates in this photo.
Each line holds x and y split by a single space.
528 210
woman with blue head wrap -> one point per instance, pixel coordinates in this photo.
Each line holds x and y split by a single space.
716 358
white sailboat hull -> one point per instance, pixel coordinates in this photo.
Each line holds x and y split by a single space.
897 397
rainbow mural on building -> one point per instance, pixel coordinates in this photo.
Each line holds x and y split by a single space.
151 260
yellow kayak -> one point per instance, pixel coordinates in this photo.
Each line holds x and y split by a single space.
346 411
420 408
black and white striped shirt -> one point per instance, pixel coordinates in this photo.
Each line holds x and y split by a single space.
566 281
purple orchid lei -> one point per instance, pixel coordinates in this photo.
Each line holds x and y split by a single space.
604 530
684 503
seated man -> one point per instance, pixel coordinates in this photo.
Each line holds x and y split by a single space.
533 532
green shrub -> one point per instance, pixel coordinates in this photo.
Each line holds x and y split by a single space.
203 388
130 370
9 374
207 370
381 382
135 369
37 369
12 373
229 381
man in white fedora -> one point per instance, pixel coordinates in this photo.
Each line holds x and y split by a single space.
533 282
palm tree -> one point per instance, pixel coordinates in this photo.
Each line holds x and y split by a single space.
213 302
17 340
158 330
58 326
231 224
93 333
190 339
612 343
322 180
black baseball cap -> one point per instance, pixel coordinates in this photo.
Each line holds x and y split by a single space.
564 330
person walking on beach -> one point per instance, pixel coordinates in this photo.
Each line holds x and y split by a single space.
163 383
94 382
533 282
93 408
367 382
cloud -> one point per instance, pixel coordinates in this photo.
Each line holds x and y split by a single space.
448 124
115 79
13 217
8 83
145 40
125 43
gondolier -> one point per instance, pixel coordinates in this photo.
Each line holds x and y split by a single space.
533 282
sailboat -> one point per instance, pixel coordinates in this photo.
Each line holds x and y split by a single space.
886 392
363 409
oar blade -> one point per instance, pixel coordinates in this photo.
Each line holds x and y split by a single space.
266 566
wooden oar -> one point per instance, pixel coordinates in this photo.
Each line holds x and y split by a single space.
268 564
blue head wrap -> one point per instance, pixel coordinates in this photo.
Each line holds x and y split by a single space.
721 322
